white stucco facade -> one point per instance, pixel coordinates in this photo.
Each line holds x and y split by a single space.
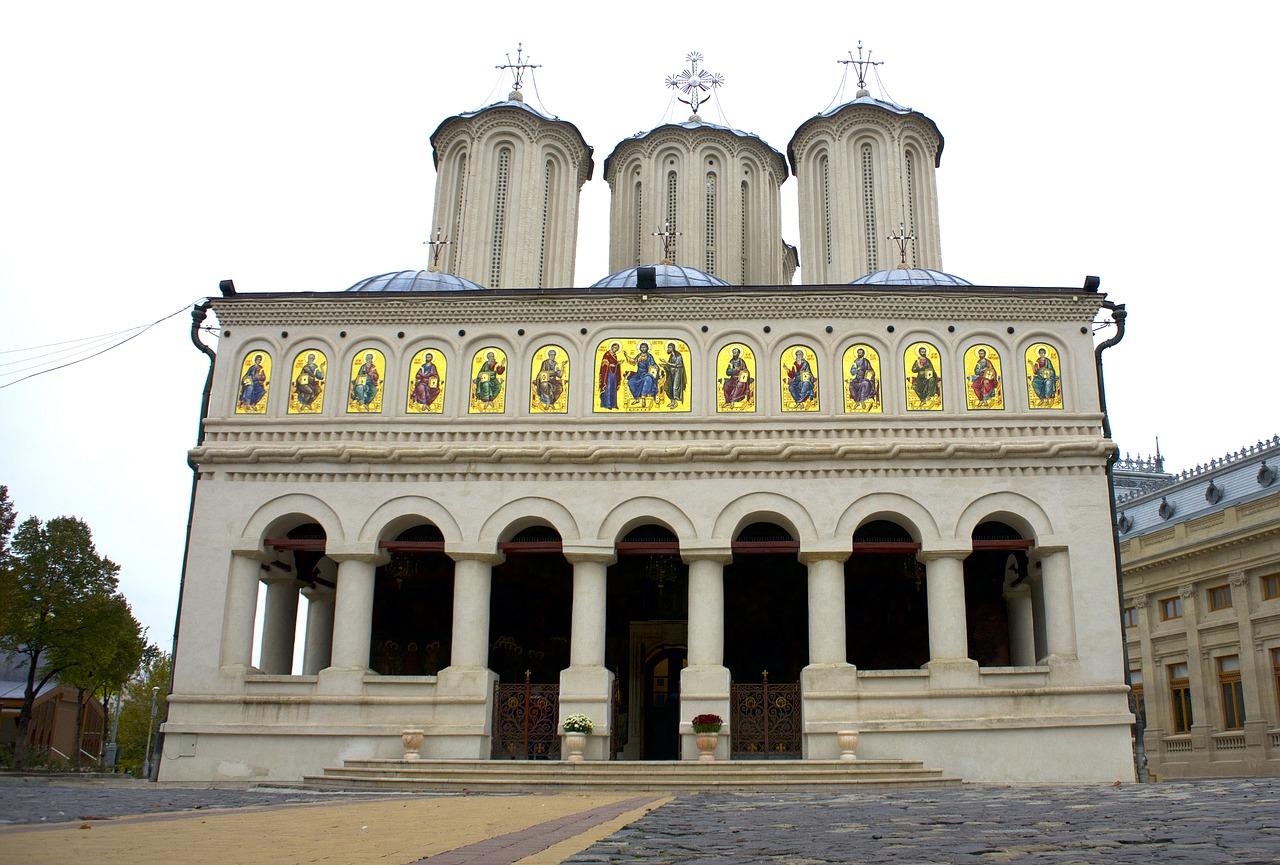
1058 714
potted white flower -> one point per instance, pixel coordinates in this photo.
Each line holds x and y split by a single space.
576 730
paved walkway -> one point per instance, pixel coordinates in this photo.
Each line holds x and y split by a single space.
1202 822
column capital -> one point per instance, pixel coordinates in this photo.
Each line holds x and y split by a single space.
272 578
317 592
367 552
251 549
722 553
955 552
474 553
599 554
826 554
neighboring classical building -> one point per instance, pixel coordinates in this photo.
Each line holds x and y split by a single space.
1201 558
53 717
876 502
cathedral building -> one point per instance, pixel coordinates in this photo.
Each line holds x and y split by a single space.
498 495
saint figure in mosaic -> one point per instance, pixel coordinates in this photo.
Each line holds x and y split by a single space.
799 379
251 398
486 381
737 388
924 378
426 389
642 375
1044 386
548 389
674 379
610 376
307 393
862 387
643 380
986 387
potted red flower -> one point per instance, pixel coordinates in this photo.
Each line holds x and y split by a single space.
707 726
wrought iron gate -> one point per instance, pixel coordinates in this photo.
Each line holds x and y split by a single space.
525 718
765 719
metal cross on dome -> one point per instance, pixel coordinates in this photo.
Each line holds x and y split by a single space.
902 238
518 68
437 246
861 65
694 83
668 242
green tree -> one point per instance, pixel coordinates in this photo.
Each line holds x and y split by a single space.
52 584
102 660
135 712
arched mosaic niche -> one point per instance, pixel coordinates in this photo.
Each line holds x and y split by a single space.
254 388
488 381
736 381
549 381
635 374
923 365
368 382
428 372
799 370
1044 376
861 365
983 378
307 381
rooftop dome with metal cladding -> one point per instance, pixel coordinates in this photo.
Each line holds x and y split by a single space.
415 280
659 276
912 276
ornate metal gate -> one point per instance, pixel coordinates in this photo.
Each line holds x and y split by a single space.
765 719
525 718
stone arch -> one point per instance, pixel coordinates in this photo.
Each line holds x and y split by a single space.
646 509
897 508
509 519
1017 510
765 507
404 512
283 513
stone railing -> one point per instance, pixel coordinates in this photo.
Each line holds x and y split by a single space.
1228 742
1177 744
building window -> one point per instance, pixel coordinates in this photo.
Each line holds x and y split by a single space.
869 208
671 223
1271 587
499 217
709 235
639 224
548 178
911 204
1232 692
1130 617
1170 608
1180 694
460 193
742 240
1139 704
1219 597
825 170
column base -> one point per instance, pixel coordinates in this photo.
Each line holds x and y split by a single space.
466 723
952 673
821 678
341 680
589 691
703 690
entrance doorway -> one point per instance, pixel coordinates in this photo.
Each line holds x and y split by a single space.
661 731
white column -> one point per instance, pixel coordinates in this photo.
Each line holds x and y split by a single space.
472 577
706 612
240 609
317 648
826 607
1254 684
948 626
1060 619
353 611
586 638
1022 626
279 624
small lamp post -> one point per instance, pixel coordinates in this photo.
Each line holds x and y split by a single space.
146 763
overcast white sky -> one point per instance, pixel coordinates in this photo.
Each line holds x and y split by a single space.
149 150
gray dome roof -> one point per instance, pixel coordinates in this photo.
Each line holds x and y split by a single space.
665 276
911 276
415 280
871 101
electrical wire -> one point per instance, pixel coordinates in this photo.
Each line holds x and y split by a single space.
533 77
137 332
844 77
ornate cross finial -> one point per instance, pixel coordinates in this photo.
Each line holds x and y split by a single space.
437 246
695 83
902 238
517 72
668 242
861 65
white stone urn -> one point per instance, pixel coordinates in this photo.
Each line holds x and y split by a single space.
574 745
412 741
707 746
848 742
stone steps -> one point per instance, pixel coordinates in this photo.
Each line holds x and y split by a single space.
521 775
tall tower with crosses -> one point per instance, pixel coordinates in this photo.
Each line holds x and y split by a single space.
866 171
508 180
699 194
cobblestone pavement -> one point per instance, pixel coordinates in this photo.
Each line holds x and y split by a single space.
1200 822
48 800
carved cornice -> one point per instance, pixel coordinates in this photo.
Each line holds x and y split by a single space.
300 310
1243 537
